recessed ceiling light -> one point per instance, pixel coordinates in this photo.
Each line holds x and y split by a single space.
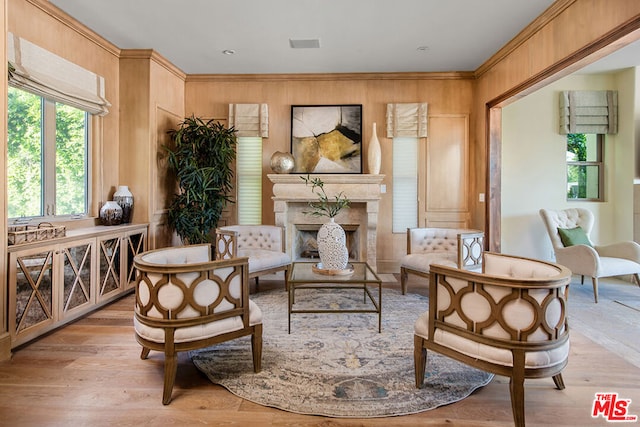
423 48
228 51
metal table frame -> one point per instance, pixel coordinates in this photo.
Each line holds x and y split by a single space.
302 276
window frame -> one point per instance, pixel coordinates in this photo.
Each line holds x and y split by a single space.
48 135
599 163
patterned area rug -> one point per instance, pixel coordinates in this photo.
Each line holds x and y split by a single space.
338 365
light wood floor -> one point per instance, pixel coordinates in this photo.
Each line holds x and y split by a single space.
89 374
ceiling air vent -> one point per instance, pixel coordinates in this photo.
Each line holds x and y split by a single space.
304 44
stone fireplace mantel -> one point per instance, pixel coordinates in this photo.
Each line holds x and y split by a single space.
291 197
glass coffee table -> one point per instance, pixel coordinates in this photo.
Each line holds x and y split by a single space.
305 275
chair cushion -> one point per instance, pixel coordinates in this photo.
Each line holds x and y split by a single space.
617 267
422 261
573 236
263 259
488 353
203 331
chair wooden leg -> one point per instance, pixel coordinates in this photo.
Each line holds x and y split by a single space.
516 386
419 359
594 280
557 379
170 368
403 280
582 280
144 353
637 278
256 347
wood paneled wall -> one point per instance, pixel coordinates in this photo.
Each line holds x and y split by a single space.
445 93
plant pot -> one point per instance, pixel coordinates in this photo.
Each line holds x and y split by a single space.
332 246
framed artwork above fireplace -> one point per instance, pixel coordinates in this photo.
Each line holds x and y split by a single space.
326 138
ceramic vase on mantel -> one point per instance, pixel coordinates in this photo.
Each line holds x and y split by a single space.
332 246
374 154
124 198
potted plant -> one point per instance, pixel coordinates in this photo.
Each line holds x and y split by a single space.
202 157
331 238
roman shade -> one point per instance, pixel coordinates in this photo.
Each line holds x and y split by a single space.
407 120
249 119
589 111
46 74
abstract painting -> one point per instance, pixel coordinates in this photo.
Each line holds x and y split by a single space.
326 138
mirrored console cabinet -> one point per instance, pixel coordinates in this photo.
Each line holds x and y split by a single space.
55 281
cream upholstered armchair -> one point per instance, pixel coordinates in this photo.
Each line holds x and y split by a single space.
509 319
573 247
185 301
461 248
262 244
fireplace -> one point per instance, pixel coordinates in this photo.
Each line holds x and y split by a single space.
306 245
291 197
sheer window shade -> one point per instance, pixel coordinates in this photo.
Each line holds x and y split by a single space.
249 179
407 120
44 73
589 111
405 184
249 119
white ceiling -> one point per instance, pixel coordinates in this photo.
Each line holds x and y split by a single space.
354 35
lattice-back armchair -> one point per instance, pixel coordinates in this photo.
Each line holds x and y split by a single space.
185 301
459 248
509 319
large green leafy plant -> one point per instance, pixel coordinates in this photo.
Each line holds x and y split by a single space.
202 157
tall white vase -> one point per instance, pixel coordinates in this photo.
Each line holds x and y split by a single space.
374 154
332 246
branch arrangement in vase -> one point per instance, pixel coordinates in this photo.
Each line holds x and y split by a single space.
324 206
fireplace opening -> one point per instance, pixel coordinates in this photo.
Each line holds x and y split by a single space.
306 243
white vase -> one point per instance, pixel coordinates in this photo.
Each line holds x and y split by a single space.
124 198
111 213
374 154
332 246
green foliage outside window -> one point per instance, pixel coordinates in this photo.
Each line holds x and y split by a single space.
24 168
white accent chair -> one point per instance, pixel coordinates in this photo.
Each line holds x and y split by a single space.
460 248
509 319
185 301
262 244
591 260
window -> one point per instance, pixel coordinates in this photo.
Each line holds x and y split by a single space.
405 184
48 157
585 170
249 179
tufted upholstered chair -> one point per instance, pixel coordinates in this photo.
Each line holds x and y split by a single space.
594 261
185 301
448 246
262 244
509 319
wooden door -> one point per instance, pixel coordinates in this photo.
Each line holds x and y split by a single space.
444 173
